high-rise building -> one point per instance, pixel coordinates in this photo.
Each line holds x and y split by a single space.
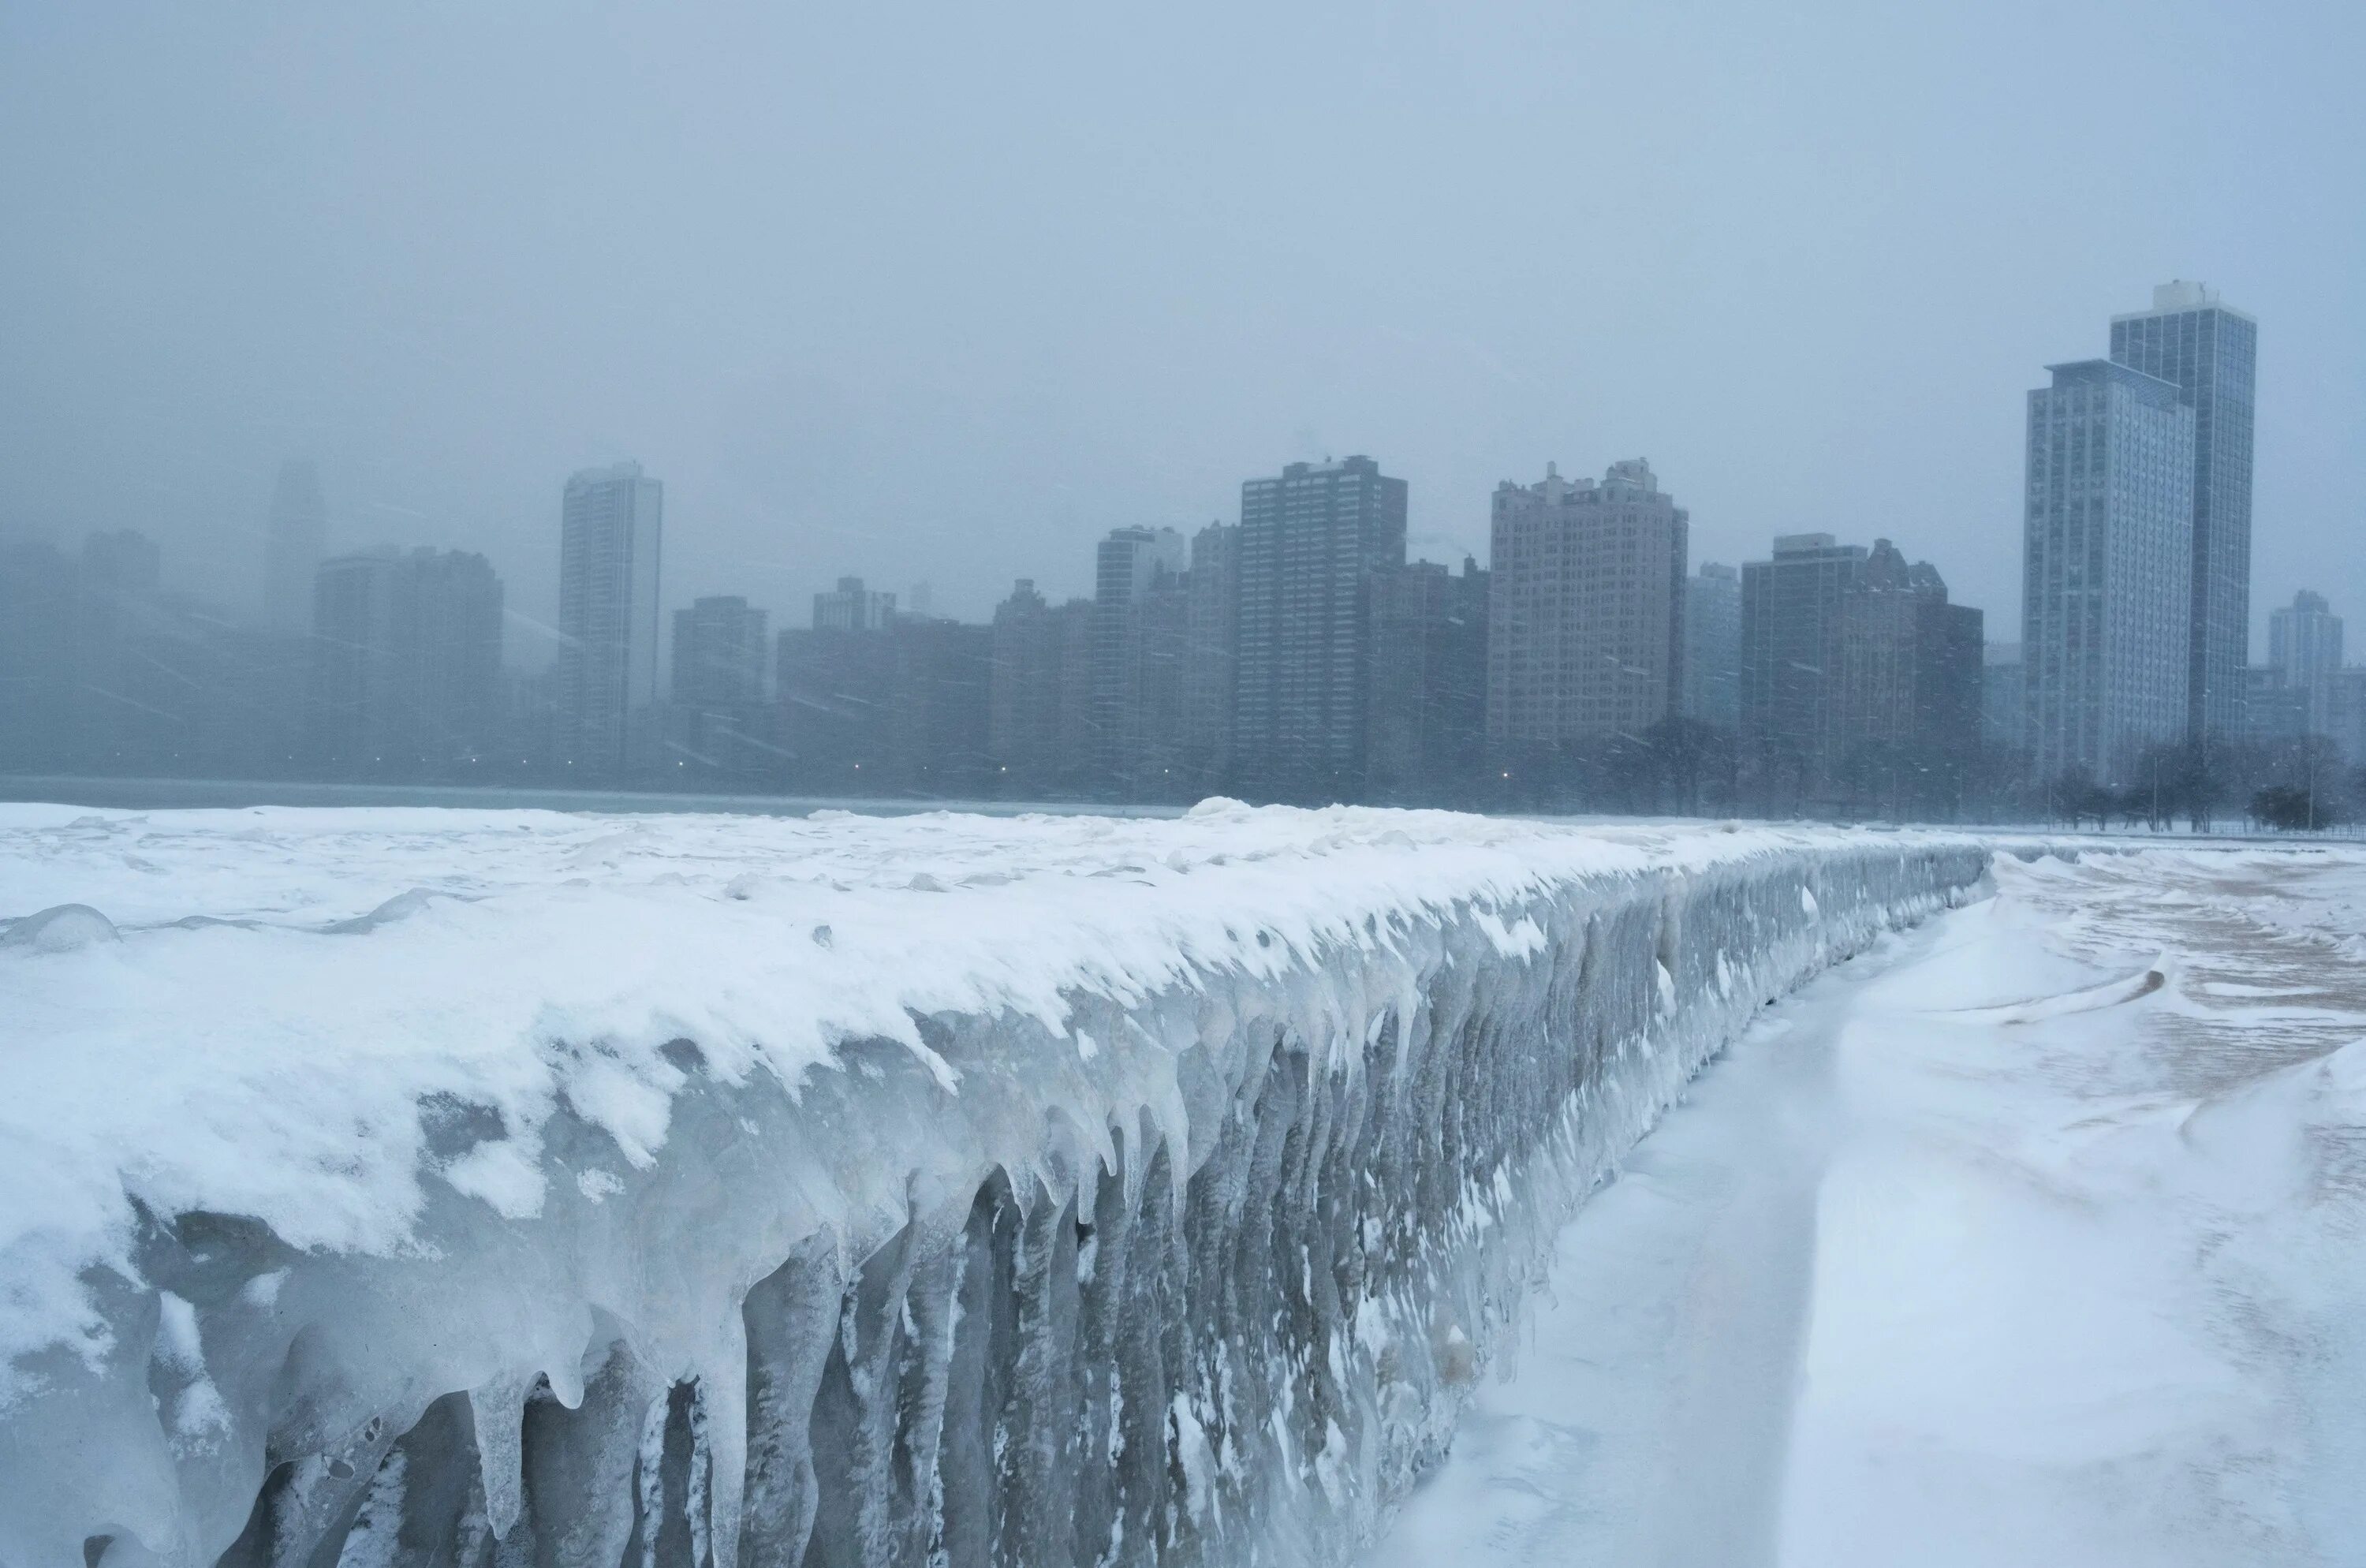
612 524
1309 541
2304 645
2001 697
1428 702
1022 725
406 670
1861 683
295 537
1792 737
852 608
1213 638
1586 627
2107 558
719 712
2208 351
1910 695
1140 608
1712 690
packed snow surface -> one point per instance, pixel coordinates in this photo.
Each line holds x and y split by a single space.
424 1186
2034 1235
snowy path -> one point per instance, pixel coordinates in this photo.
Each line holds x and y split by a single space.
1922 1273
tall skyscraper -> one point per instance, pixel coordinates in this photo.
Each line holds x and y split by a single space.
406 662
2208 351
1791 617
1022 727
612 524
1212 636
1586 627
296 539
1138 626
1713 646
2001 702
1309 542
2106 565
1429 703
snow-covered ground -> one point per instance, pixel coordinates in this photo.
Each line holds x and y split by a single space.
846 1190
2035 1235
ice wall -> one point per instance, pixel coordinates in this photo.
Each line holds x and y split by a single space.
1190 1265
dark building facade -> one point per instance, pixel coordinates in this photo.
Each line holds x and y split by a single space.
1860 682
1211 651
1712 684
1141 607
1311 541
406 663
1428 700
721 719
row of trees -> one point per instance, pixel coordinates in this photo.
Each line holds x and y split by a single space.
2301 786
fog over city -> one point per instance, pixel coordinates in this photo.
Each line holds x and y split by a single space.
943 294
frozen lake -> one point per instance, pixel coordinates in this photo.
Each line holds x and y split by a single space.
1988 1248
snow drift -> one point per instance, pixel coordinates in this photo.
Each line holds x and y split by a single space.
409 1187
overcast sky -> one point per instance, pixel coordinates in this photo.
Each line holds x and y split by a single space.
946 291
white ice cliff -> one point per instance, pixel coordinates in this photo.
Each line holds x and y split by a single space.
392 1187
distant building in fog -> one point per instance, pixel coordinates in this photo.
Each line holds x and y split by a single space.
1140 616
1310 540
853 608
406 662
295 540
2000 696
1429 701
612 524
1586 632
720 715
1792 736
2108 560
1211 638
1712 689
1909 688
2304 639
1023 693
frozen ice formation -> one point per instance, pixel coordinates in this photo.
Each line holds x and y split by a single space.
422 1187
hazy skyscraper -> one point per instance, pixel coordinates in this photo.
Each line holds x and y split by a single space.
1713 645
1428 703
2208 351
1213 638
296 539
1586 625
852 608
1309 542
2303 640
721 645
612 524
1793 615
1022 726
1139 617
2107 562
406 661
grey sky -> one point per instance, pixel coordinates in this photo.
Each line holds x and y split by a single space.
945 291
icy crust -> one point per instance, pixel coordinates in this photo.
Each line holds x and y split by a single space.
424 1187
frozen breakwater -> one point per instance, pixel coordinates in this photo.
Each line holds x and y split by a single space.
407 1187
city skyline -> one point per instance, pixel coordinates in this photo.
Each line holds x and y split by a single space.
1748 284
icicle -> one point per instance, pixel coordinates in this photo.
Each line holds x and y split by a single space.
498 1410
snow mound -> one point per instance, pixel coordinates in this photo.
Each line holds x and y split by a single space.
504 1187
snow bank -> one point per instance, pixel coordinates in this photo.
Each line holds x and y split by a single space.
431 1187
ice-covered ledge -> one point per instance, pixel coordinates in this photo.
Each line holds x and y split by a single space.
468 1186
